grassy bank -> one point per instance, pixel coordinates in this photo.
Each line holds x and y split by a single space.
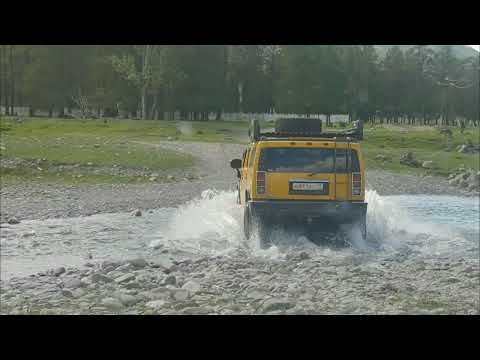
79 151
426 143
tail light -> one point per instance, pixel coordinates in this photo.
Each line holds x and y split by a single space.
261 182
356 184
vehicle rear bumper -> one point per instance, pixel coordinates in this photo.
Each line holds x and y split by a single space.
337 211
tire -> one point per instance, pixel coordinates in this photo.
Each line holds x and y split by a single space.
263 233
298 126
247 222
258 225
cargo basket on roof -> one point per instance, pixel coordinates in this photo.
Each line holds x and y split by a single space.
305 128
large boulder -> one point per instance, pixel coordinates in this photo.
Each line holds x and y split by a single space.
409 160
428 164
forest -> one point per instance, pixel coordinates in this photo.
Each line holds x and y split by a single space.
417 85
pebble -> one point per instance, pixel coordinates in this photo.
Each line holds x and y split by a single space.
271 305
137 212
138 263
58 271
13 221
170 280
125 278
72 283
112 304
180 294
156 304
192 286
128 300
100 278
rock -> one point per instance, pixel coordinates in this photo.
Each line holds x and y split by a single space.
138 263
170 280
72 283
125 278
112 304
257 294
164 263
156 304
170 177
28 234
180 294
303 256
463 183
128 300
137 212
67 293
100 278
192 287
125 267
160 293
58 271
427 164
108 265
271 305
78 293
170 138
13 221
408 159
131 285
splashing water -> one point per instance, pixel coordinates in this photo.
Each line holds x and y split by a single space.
404 226
213 224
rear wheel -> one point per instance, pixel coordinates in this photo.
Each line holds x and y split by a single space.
258 225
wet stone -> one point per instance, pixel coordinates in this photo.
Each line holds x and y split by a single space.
138 263
128 300
170 280
272 305
124 278
112 304
58 271
72 283
99 278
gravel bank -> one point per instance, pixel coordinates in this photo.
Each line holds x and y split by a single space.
238 284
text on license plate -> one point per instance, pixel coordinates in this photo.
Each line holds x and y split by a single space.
308 186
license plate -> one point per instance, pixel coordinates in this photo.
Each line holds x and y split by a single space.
304 186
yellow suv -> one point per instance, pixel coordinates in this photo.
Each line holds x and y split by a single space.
303 176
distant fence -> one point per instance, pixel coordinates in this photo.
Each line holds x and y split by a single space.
23 111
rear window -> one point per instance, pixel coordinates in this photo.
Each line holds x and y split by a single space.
308 160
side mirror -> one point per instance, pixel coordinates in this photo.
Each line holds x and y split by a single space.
236 164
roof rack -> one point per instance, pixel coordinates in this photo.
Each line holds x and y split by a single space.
355 134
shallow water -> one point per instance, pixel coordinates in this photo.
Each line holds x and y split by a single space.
398 226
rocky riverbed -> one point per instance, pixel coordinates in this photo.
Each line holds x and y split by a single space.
414 268
238 284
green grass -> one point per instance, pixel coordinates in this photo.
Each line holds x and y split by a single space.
426 144
94 144
90 144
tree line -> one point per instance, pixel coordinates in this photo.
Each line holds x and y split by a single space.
413 86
